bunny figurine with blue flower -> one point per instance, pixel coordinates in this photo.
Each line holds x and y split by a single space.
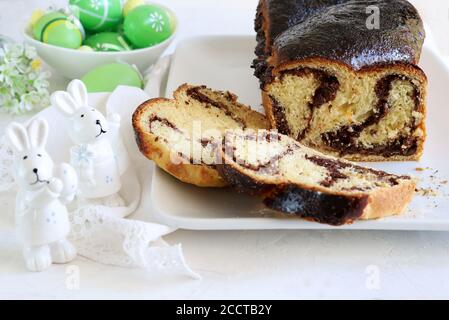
93 155
42 220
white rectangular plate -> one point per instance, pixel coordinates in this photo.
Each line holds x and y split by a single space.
224 63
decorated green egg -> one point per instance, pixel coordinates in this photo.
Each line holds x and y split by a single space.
38 24
57 29
107 41
148 25
107 77
98 15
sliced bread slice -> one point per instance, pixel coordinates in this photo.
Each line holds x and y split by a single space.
300 181
180 135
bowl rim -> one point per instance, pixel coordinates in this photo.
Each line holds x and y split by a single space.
27 34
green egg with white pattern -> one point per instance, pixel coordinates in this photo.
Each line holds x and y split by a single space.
98 15
108 77
148 25
107 42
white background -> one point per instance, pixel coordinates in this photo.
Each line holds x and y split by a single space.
250 264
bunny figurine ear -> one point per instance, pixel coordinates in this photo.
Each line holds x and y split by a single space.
64 103
18 137
38 133
78 92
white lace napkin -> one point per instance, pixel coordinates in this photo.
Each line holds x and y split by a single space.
102 233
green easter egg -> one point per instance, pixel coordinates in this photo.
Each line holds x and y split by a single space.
57 29
39 26
107 77
107 41
98 15
147 25
63 33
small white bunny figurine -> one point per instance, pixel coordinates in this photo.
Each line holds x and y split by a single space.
42 220
93 156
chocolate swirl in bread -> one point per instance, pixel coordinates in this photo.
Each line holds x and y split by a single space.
302 182
181 134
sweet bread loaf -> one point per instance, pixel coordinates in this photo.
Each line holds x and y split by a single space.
300 181
180 134
334 82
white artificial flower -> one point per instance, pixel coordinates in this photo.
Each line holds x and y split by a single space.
30 52
23 86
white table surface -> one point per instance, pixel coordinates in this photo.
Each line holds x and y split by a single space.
248 264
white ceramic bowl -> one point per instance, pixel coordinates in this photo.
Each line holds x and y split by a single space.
74 64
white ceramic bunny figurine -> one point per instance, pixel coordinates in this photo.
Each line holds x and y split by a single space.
42 221
93 156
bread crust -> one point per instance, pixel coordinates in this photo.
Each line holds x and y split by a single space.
292 30
389 201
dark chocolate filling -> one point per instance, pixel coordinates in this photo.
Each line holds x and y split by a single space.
204 141
164 121
326 92
317 206
268 167
295 201
334 168
345 139
167 123
279 117
195 93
